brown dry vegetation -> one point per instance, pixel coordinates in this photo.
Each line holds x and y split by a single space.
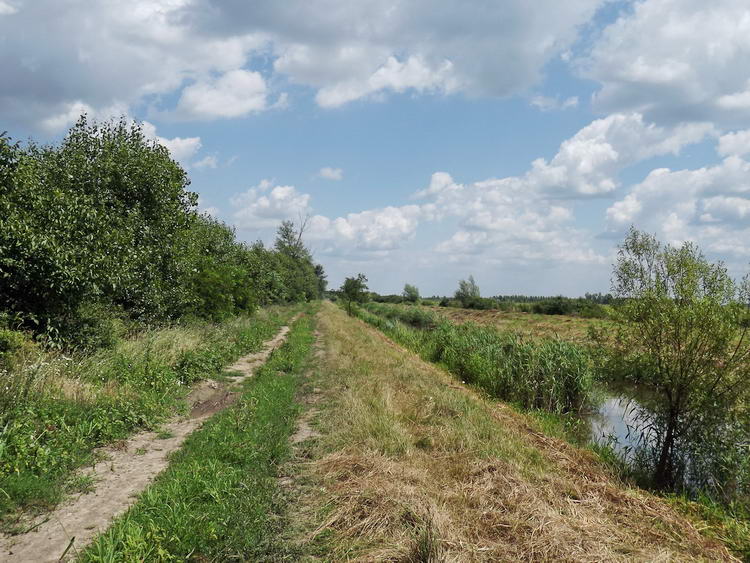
412 466
572 329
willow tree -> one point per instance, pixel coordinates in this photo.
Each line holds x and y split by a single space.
683 331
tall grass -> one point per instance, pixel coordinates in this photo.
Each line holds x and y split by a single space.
57 408
218 500
551 375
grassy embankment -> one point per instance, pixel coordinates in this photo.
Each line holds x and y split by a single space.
218 499
504 366
56 409
550 375
411 466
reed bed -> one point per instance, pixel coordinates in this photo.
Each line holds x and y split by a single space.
551 375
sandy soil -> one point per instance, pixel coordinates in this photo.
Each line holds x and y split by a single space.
128 469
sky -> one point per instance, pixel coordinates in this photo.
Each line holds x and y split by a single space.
425 140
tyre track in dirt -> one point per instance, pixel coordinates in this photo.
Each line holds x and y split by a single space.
128 468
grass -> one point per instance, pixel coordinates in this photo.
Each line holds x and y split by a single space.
71 405
549 375
529 325
474 357
218 498
413 467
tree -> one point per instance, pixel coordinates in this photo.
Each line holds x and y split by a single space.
682 330
320 274
410 293
467 291
354 290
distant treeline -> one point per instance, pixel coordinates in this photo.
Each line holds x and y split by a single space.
591 305
100 232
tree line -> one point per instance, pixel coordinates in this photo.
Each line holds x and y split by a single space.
101 231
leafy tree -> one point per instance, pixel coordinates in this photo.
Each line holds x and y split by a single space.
354 290
410 293
467 291
322 279
682 329
102 229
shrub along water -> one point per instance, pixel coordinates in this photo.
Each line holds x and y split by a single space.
551 375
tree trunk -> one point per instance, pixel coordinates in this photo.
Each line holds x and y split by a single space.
664 475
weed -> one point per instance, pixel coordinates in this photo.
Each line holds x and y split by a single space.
70 405
551 375
216 501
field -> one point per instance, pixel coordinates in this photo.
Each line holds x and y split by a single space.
531 325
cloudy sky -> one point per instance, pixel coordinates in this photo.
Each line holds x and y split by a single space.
426 139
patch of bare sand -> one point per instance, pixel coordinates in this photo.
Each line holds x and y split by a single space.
127 471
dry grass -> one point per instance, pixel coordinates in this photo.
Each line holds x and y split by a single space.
572 329
412 467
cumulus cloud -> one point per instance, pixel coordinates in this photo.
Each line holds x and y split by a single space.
234 94
134 52
675 60
737 143
709 205
266 205
373 230
503 220
182 149
105 54
329 173
587 164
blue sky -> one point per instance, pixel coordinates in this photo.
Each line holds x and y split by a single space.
426 140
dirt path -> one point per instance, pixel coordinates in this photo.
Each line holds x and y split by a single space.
127 471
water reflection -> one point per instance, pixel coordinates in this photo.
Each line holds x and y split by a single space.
621 421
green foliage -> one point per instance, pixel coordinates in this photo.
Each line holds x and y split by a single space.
217 499
682 331
95 219
467 291
354 290
411 294
100 231
44 434
551 375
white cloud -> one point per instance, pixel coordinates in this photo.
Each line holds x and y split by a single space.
7 9
103 54
393 75
266 205
376 230
235 94
587 164
504 221
209 210
182 149
132 52
209 161
547 103
737 143
675 60
331 173
710 206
